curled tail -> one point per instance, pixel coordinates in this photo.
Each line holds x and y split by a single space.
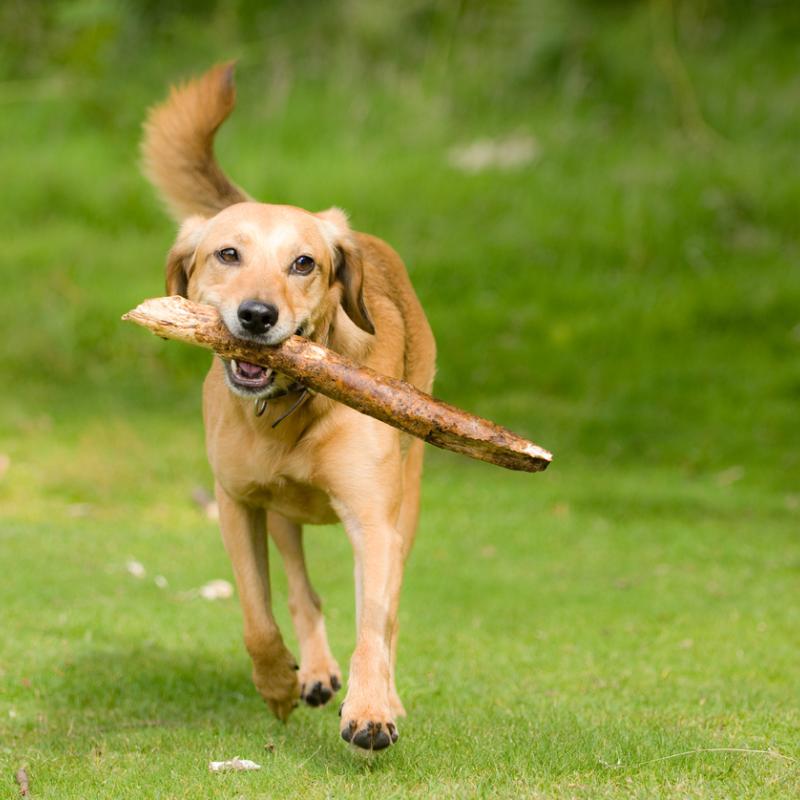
178 145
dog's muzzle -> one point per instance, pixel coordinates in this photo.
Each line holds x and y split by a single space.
255 381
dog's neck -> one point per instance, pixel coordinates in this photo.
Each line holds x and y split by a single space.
339 333
346 338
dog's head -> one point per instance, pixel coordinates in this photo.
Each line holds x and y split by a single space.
271 271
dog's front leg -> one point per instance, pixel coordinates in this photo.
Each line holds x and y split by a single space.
274 667
320 676
367 719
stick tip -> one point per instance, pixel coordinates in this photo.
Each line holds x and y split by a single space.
534 451
134 315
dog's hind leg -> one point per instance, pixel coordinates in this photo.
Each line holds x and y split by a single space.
245 537
320 676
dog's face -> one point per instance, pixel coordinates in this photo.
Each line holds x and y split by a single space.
271 271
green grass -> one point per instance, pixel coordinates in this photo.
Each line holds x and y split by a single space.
629 300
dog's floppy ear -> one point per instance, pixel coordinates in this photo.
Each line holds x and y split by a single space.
348 267
181 256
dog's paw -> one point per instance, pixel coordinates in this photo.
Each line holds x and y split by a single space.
319 684
368 729
276 681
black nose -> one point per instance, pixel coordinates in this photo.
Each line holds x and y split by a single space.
257 317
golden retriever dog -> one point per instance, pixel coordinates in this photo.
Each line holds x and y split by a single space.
281 457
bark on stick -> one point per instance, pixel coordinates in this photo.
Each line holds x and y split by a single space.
390 400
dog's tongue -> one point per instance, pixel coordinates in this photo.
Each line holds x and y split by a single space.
250 370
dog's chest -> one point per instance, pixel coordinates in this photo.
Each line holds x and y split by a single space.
261 475
296 501
259 466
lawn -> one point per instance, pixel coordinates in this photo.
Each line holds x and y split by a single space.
624 625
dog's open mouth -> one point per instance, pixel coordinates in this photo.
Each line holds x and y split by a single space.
251 380
251 376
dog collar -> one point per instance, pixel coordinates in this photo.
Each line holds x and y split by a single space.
303 393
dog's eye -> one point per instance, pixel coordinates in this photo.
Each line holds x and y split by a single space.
303 265
228 255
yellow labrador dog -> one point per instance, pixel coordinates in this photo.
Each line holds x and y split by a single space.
280 457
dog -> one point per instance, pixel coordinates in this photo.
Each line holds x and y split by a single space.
281 457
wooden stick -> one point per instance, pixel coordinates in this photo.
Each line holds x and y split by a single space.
390 400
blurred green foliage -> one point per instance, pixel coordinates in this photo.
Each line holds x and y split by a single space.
630 294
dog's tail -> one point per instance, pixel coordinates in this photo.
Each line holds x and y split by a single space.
178 145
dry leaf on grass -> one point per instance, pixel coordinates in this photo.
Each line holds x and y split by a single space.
216 590
23 783
234 765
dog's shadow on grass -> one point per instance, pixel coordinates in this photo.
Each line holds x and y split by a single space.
144 686
149 684
117 691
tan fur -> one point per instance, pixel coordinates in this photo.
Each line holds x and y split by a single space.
178 147
325 461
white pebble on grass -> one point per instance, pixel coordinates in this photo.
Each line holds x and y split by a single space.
136 568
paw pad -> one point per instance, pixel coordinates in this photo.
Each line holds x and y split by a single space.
317 695
372 736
